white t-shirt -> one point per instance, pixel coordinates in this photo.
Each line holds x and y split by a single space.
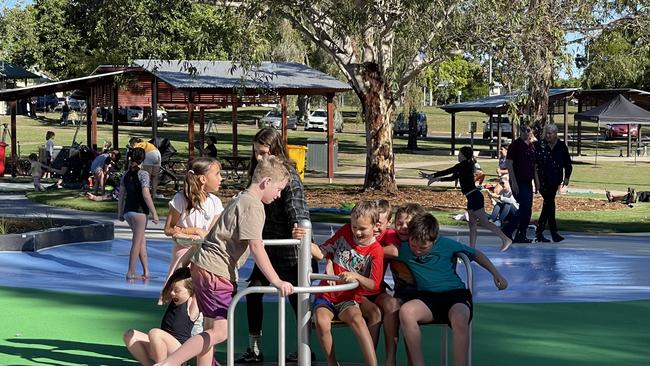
49 146
200 218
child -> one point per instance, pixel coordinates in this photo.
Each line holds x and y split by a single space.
210 147
175 326
100 168
151 163
49 149
403 282
193 212
36 171
356 255
464 172
441 295
216 263
373 301
134 204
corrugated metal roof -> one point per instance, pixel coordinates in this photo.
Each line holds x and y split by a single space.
11 71
226 75
498 102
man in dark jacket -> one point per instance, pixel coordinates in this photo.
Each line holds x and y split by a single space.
553 167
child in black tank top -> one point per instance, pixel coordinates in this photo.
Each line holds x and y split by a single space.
175 326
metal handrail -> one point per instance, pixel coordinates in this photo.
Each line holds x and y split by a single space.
281 311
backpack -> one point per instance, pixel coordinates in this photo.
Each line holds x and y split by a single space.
643 196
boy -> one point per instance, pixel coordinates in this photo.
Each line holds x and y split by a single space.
403 282
100 168
441 296
210 147
355 255
216 263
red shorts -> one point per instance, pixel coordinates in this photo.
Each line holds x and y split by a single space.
213 293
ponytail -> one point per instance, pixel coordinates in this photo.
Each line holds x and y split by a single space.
193 187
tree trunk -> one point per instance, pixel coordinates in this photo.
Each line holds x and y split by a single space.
413 131
303 108
378 107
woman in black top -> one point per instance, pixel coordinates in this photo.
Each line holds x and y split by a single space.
464 172
134 205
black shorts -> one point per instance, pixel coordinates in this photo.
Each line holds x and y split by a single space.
439 303
475 200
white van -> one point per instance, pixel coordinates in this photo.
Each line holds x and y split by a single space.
491 129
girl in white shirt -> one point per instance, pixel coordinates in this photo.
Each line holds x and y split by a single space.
194 210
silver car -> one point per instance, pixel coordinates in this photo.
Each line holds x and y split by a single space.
273 119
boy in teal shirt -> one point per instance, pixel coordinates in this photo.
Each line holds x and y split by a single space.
441 296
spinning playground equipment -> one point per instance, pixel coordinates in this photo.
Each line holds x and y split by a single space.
303 290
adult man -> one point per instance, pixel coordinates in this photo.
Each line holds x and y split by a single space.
553 165
521 169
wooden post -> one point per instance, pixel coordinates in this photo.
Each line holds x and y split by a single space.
453 134
116 112
14 143
202 126
90 110
190 128
629 139
578 147
499 136
154 107
330 137
235 103
93 121
566 120
283 107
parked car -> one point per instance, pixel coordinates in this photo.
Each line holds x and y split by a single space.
46 102
273 118
619 130
317 120
401 125
138 115
491 129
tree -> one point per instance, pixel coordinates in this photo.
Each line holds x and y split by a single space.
17 36
380 47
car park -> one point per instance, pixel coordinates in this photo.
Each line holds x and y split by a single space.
134 114
491 127
401 125
46 102
273 118
620 130
317 121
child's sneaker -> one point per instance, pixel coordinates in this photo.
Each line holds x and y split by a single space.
497 223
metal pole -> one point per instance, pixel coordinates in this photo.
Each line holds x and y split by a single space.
303 318
281 330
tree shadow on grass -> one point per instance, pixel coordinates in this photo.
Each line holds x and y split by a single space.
58 352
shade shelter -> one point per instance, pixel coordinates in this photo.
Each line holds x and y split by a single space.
196 85
617 110
499 105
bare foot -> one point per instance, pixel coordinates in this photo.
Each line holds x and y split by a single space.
133 276
505 245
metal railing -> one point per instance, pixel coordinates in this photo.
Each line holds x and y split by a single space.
302 291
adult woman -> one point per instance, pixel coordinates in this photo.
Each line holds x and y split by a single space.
281 215
151 163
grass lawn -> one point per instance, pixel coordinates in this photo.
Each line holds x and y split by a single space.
56 328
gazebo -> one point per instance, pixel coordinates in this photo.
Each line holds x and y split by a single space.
191 85
498 105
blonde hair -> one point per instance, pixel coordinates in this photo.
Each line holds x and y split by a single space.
182 275
193 188
273 167
367 209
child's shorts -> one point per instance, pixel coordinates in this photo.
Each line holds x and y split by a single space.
213 293
440 302
475 200
336 308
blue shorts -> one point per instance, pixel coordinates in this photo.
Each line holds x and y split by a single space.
336 308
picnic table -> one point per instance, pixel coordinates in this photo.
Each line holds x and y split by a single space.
235 167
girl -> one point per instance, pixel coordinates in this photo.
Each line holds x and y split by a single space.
36 171
193 212
134 204
49 150
175 327
464 172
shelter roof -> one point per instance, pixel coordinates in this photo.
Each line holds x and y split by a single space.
56 86
617 110
225 76
11 71
499 103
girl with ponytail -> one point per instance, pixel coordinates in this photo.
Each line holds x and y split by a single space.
194 210
134 204
464 172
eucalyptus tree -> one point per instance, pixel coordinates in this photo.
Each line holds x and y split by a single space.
380 47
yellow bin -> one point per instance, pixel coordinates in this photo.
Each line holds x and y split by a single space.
298 154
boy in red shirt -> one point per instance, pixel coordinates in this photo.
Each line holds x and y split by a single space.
356 256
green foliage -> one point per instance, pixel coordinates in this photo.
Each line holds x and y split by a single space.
619 59
458 74
17 36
